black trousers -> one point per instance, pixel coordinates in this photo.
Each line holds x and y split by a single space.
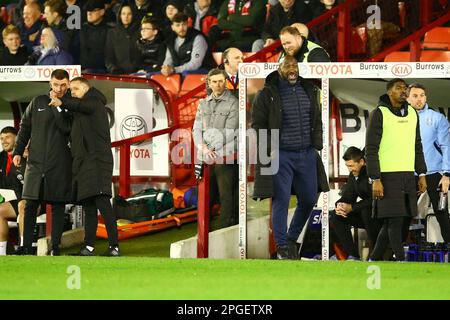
359 219
102 204
31 207
442 216
225 186
392 232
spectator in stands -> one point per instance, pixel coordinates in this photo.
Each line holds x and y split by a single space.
143 8
283 14
202 16
289 105
353 212
231 59
55 13
171 8
214 133
187 49
122 56
48 175
49 52
13 54
435 134
152 50
239 23
393 154
93 38
17 15
11 177
319 7
294 44
31 25
92 160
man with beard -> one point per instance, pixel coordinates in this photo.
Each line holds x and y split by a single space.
435 134
92 160
289 105
48 169
296 45
394 153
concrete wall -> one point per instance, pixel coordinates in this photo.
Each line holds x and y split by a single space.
224 243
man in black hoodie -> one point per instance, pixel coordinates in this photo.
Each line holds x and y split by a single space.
92 160
394 153
122 56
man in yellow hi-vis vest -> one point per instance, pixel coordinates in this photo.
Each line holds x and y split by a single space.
296 45
394 153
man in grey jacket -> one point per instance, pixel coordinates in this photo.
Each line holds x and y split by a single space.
215 138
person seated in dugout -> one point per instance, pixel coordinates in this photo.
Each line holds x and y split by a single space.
351 212
11 177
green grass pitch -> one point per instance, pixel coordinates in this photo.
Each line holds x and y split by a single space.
178 279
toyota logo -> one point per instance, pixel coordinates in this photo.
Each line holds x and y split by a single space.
132 126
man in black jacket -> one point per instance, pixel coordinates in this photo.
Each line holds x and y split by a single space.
393 154
351 212
92 160
48 170
288 105
93 38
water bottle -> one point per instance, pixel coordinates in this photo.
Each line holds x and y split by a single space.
2 199
442 204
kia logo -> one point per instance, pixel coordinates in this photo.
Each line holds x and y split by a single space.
249 70
401 70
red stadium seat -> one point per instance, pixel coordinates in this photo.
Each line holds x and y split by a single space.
171 83
435 56
192 81
398 56
437 39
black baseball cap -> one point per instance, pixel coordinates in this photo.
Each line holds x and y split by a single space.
92 5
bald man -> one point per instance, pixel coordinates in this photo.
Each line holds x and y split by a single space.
31 25
231 59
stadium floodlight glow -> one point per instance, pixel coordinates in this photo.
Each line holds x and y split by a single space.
324 72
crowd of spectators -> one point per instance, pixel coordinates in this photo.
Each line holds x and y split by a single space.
143 36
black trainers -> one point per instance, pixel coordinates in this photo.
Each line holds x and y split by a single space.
282 253
292 249
84 252
113 251
23 251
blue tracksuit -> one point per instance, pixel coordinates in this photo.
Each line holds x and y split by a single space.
435 134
